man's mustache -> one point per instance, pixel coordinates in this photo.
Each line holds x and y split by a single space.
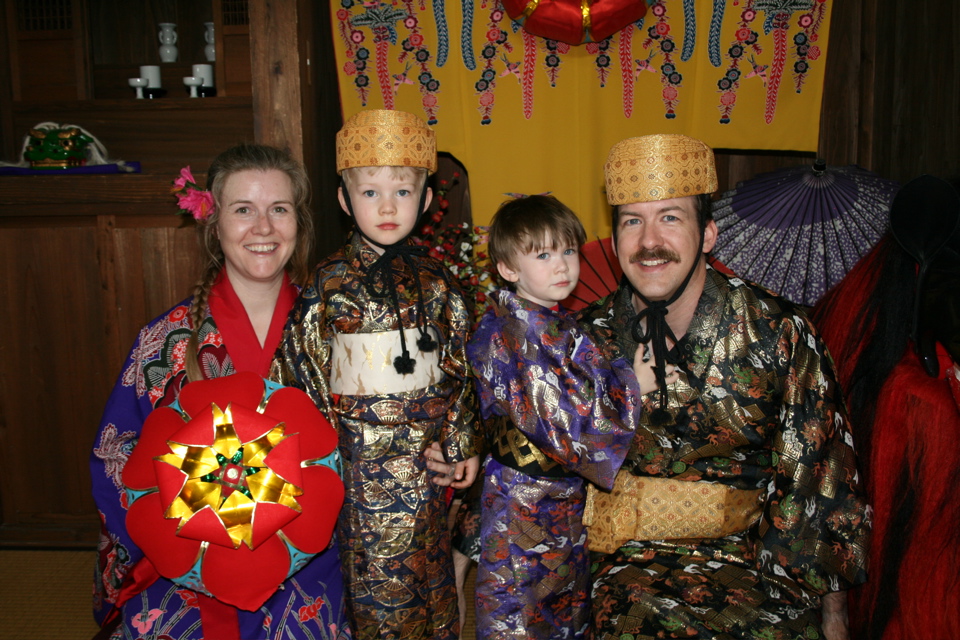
660 253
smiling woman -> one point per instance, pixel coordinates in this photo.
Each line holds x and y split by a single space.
255 229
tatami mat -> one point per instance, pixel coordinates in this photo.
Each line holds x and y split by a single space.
46 595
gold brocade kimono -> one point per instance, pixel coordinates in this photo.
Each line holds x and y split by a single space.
757 411
339 346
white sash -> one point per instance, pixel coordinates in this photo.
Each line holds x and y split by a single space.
362 363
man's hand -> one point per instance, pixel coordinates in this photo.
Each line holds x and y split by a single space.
835 622
643 369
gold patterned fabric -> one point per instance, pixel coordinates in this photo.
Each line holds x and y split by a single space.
641 508
658 167
756 408
394 543
385 138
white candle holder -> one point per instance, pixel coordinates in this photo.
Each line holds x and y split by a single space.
138 84
193 82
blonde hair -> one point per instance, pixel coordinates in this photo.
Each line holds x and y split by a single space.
419 174
246 157
529 222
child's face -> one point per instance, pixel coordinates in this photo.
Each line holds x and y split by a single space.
545 276
385 203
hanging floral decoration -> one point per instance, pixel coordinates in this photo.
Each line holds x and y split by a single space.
234 487
659 37
746 41
777 21
401 45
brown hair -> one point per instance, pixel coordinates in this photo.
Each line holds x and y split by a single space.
245 157
527 223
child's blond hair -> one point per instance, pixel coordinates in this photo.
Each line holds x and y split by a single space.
419 174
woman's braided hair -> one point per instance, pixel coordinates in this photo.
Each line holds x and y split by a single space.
245 157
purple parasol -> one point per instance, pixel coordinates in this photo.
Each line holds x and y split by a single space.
799 230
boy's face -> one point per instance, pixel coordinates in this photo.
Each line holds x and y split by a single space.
385 203
545 276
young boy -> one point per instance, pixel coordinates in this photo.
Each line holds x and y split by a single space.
378 342
557 413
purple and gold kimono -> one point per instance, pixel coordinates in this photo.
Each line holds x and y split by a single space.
339 346
557 413
757 413
307 606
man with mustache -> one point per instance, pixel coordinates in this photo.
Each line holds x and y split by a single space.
738 513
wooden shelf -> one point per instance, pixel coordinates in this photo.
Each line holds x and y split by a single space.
168 102
122 195
163 134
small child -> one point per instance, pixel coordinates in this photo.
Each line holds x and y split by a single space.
378 341
557 413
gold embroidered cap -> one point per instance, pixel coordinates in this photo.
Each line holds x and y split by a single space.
659 167
386 138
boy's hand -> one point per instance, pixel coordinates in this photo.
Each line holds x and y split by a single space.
466 472
644 370
459 476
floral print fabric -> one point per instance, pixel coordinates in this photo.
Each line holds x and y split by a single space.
536 369
395 545
757 406
307 606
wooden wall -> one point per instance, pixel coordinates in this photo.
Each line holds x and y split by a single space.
79 279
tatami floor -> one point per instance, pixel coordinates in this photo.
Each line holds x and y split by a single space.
46 595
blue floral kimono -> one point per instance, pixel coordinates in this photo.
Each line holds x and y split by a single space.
307 606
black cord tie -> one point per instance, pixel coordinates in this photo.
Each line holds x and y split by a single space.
658 331
380 283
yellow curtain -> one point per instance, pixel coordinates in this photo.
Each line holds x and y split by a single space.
527 114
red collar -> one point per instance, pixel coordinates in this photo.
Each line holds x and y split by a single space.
237 331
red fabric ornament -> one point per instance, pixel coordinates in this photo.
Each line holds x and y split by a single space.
235 488
575 21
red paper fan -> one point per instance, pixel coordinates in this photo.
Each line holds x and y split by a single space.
600 273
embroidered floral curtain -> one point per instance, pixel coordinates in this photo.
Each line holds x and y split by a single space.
526 114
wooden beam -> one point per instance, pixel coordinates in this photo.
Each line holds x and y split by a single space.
275 69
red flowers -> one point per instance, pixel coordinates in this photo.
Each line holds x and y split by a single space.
233 495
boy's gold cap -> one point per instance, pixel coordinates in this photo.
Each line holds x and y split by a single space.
386 138
658 167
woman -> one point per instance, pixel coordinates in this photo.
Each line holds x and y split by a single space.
257 238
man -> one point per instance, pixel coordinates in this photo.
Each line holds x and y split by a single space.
738 512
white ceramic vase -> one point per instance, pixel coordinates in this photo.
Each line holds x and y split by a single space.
168 42
210 51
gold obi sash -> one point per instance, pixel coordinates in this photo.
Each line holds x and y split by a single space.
361 364
645 508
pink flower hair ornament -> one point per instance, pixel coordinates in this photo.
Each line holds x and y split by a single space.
192 200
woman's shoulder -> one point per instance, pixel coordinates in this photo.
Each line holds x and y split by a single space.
156 358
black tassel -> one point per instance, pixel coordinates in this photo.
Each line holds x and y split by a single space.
426 342
404 364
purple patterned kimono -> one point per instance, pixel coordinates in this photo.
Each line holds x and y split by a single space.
557 413
307 606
